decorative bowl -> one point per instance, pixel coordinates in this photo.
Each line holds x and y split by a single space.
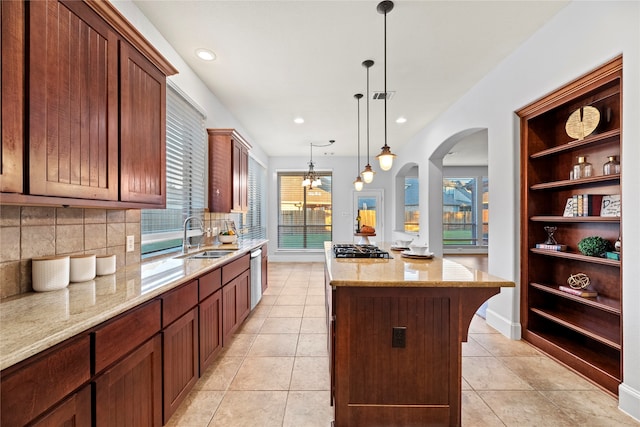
227 238
419 249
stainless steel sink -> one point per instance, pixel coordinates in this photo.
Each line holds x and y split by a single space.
211 254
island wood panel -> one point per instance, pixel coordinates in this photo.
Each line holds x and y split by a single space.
75 411
31 388
129 394
374 383
142 129
73 100
12 87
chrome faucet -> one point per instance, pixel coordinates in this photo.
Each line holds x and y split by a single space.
185 241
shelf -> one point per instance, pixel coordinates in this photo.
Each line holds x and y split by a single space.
583 358
576 257
570 146
576 182
566 319
600 302
558 218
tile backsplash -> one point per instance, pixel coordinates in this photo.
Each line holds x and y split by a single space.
28 232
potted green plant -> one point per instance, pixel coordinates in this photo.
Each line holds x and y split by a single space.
594 246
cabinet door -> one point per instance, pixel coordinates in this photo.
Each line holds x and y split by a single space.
180 360
243 296
12 68
244 179
229 311
142 129
130 393
75 411
265 269
210 329
73 102
32 388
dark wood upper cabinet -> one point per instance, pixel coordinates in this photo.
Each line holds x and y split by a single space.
584 333
95 116
142 129
73 94
12 87
228 171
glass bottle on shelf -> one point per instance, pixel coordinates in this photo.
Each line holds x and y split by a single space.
582 169
612 167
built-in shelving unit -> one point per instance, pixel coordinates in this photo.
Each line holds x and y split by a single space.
585 333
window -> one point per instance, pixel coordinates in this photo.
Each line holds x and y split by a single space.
256 213
186 141
304 215
465 212
411 205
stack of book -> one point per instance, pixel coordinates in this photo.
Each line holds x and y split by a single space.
556 247
586 204
578 292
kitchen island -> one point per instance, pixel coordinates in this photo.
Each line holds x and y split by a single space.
395 333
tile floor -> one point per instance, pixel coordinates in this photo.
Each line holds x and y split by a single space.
275 372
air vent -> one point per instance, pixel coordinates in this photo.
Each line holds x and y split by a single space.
381 95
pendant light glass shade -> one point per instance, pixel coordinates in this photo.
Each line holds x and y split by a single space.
367 173
386 156
358 184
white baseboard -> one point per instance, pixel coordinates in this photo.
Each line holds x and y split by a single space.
503 325
629 401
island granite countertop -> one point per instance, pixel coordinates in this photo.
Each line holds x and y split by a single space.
398 271
33 322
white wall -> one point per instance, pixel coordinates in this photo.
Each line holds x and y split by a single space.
561 51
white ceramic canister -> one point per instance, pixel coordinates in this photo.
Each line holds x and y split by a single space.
105 264
49 273
82 267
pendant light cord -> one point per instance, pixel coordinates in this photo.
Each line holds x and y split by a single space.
386 94
368 114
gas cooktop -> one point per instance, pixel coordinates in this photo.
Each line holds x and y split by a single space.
350 250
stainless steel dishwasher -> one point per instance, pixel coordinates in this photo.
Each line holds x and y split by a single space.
256 277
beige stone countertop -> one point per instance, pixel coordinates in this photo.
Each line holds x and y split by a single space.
399 271
36 321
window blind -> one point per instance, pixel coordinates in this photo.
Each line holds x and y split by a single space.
186 156
304 215
256 218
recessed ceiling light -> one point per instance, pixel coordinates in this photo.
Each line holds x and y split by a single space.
401 120
205 54
298 120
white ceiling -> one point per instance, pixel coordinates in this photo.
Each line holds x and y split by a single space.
277 60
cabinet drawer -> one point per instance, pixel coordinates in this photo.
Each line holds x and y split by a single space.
209 283
178 301
37 385
234 269
122 335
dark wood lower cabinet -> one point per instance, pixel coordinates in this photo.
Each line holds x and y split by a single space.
236 304
73 412
210 329
395 353
129 394
34 387
180 366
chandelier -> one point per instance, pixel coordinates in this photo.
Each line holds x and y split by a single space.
311 179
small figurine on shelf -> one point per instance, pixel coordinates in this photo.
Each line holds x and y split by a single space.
550 239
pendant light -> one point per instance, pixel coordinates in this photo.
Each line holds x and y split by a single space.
386 156
311 179
367 173
358 184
